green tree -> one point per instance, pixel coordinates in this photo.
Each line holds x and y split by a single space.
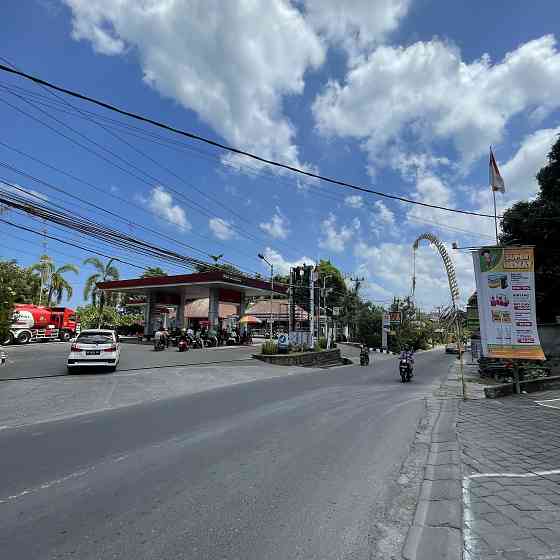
333 280
92 316
535 222
368 324
57 285
105 272
153 271
17 285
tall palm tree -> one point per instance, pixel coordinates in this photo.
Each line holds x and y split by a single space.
53 281
58 284
105 272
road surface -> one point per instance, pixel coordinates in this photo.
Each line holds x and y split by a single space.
285 468
49 359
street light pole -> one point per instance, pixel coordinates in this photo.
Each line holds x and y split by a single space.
262 257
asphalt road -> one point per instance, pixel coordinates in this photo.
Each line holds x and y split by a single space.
293 467
49 359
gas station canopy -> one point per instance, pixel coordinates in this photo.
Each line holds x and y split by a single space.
218 286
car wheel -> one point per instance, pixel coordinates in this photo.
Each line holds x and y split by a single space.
23 338
70 370
112 369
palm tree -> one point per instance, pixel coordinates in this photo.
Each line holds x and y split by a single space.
59 284
105 272
53 280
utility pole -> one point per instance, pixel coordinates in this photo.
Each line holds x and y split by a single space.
262 257
44 260
357 281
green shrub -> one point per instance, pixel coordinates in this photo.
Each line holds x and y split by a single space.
269 347
322 343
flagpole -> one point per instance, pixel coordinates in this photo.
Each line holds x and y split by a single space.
495 215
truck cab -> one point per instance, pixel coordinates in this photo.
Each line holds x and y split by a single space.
66 321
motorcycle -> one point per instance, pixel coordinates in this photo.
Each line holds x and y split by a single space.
159 344
211 340
182 345
196 342
364 358
405 369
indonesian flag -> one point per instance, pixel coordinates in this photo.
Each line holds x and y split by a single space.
496 181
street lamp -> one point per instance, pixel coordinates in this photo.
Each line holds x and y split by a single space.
263 258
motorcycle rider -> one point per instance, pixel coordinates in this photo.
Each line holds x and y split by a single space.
159 337
364 353
408 355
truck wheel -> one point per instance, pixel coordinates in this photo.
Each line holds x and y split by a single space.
65 336
23 338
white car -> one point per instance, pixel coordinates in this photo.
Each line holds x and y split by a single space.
95 348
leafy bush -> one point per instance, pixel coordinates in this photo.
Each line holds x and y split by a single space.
322 343
269 347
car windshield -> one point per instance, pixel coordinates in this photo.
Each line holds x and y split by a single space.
95 338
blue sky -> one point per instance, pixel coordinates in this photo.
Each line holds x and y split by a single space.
402 96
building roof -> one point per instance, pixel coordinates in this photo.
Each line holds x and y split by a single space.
194 285
198 309
280 310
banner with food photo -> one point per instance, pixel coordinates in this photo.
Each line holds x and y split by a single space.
505 282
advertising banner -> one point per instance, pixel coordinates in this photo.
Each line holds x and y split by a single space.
386 320
505 282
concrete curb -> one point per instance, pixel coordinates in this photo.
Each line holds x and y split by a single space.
529 386
301 358
436 531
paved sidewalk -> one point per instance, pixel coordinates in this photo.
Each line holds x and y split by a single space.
511 478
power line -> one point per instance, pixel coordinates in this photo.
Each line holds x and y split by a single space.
69 219
261 173
191 203
111 194
230 149
31 230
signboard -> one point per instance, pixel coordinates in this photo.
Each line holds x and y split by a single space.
386 320
301 338
283 342
505 282
395 317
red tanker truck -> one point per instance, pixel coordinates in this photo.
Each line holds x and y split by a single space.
35 322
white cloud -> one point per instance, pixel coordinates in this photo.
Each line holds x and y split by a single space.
160 202
387 268
230 62
281 265
354 201
355 24
383 215
19 190
520 171
222 229
428 92
277 227
519 175
335 239
409 165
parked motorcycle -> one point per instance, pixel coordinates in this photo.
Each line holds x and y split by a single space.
196 342
182 345
211 340
405 369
